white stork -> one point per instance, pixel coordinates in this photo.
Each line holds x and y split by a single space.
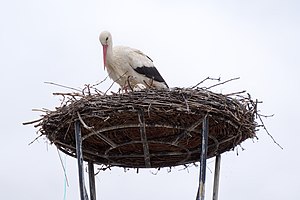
129 67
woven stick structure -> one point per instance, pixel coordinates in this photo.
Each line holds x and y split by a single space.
150 128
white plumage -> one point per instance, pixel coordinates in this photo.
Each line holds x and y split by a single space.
129 67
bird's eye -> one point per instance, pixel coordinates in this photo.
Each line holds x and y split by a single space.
106 38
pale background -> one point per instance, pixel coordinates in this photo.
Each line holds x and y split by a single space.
57 41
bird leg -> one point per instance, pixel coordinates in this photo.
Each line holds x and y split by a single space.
119 91
149 85
123 90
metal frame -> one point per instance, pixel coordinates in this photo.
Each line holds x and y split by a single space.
217 177
203 157
92 180
83 192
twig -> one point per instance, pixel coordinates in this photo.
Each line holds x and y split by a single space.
155 173
186 103
207 78
51 83
109 88
115 82
235 93
88 88
107 118
70 99
101 136
103 168
223 83
263 125
100 82
83 123
32 122
41 110
68 94
148 109
186 167
35 139
266 116
99 92
187 131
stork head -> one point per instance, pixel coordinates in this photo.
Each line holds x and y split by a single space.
106 41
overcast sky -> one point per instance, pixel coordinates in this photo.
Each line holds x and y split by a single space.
57 41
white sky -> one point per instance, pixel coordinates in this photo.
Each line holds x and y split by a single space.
57 41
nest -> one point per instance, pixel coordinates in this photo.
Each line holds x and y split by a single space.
150 128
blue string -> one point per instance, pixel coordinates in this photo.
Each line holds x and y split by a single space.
65 179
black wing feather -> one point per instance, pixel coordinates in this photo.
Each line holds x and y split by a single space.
150 72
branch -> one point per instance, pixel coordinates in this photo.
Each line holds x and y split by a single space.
207 78
109 88
100 82
101 136
235 93
223 83
32 122
35 139
51 83
263 125
83 123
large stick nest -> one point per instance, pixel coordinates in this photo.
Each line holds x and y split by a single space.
150 128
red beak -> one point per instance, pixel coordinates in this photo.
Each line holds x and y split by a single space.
104 54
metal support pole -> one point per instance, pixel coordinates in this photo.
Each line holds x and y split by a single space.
83 193
92 180
202 176
217 177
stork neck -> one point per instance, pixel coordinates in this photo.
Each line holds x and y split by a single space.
109 52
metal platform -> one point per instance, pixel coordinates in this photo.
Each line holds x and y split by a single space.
202 159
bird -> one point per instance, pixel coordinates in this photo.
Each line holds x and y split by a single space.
129 67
